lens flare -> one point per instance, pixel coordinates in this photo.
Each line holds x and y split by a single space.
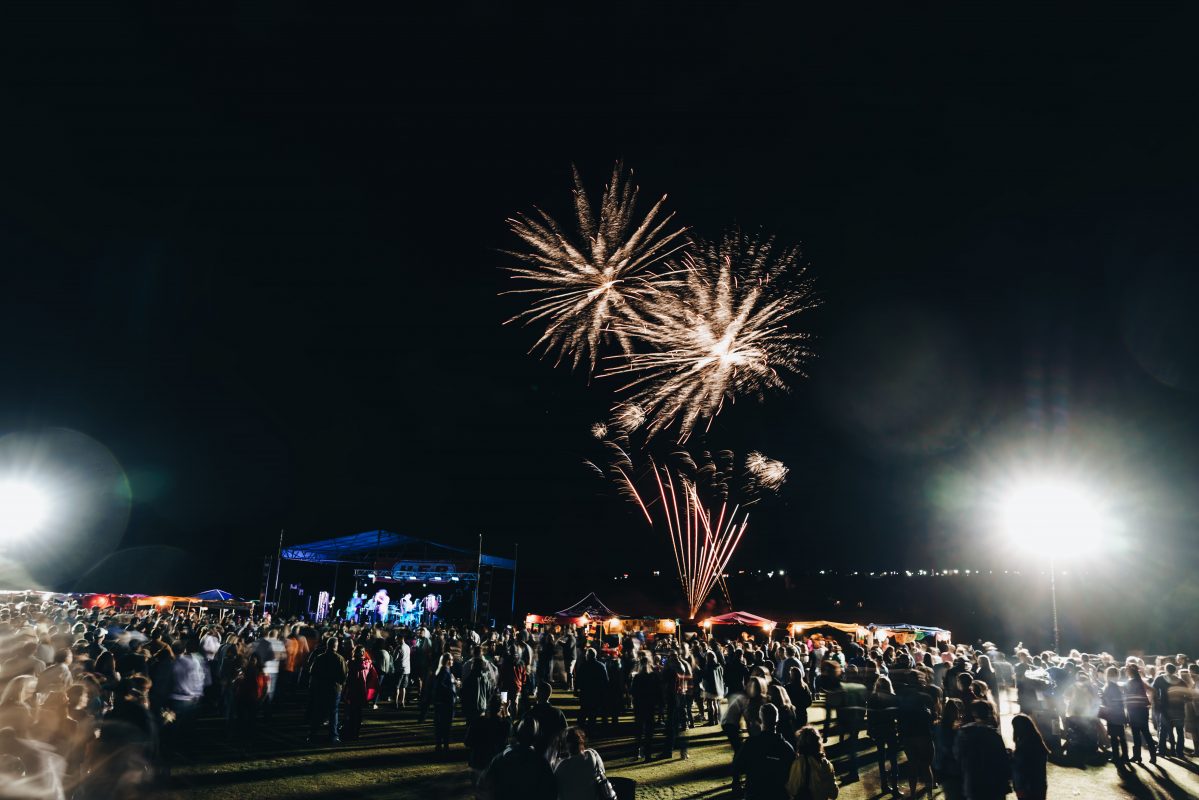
723 334
591 284
24 509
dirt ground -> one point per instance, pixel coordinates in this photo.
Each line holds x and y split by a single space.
395 759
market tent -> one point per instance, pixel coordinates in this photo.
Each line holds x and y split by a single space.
909 633
740 618
163 600
852 628
215 594
590 606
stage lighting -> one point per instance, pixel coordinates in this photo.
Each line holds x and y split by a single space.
24 509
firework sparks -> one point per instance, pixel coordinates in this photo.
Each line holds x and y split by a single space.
767 472
723 334
584 284
599 430
691 500
629 417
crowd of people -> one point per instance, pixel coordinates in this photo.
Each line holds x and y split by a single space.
94 702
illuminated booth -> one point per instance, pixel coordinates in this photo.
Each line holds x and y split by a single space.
851 630
904 633
742 619
592 614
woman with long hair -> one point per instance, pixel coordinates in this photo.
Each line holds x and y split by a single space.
1136 707
812 776
580 774
985 672
946 767
1028 759
445 695
787 724
17 705
362 687
711 684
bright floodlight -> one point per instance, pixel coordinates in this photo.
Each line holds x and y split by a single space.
1053 517
24 508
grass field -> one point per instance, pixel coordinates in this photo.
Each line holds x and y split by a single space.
395 759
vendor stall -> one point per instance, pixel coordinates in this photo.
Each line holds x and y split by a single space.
853 630
596 618
904 633
740 618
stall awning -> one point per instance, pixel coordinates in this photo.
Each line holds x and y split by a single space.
847 627
590 605
740 618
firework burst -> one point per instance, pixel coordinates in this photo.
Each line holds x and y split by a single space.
596 281
722 334
767 472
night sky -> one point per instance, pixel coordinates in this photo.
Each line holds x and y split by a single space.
252 250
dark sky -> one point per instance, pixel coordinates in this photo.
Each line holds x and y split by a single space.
251 249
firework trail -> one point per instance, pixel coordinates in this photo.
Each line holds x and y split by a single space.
596 281
722 334
691 500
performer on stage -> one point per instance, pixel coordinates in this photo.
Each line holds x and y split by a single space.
352 606
408 610
382 601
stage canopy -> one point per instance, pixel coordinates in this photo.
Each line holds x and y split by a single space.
393 552
741 618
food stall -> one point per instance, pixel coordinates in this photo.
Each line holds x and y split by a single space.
739 619
904 633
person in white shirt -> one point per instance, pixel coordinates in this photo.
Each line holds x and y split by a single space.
210 643
403 668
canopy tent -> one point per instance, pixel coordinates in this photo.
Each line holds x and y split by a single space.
216 594
590 605
909 633
741 618
852 628
163 600
373 548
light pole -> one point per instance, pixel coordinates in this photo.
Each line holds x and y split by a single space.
1053 517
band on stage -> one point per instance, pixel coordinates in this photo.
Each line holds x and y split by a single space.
379 609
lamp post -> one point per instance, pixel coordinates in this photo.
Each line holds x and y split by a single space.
1054 517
